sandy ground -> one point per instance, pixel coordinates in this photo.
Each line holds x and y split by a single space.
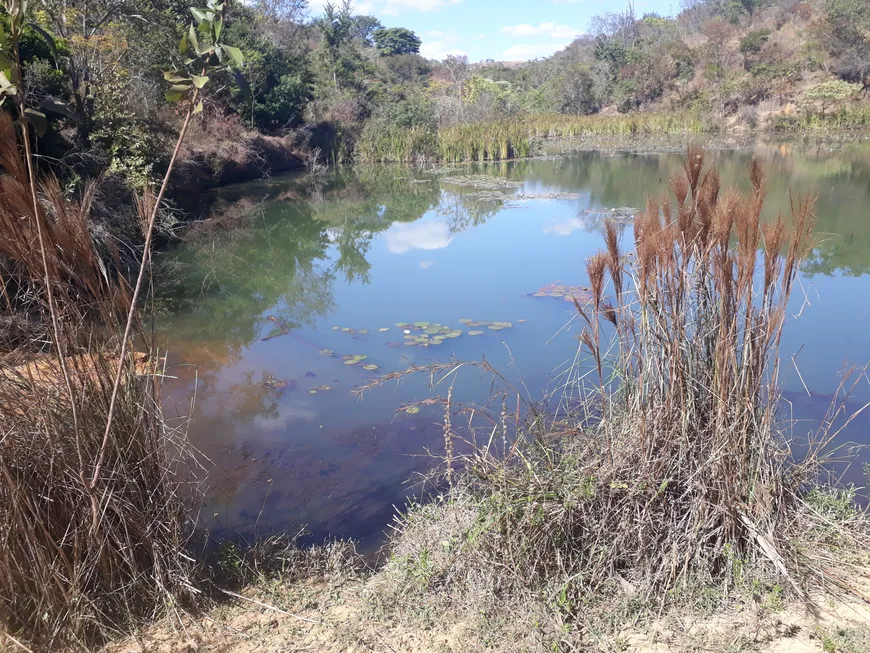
319 615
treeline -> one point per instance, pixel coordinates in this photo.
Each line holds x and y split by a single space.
325 84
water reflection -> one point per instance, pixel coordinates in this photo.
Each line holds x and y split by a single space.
295 260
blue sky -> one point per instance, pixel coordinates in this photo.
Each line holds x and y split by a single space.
511 30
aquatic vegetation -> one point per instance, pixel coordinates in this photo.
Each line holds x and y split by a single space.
370 367
353 359
582 294
327 352
511 139
383 329
475 333
319 388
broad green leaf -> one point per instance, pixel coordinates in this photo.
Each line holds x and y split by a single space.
199 15
184 46
235 54
180 87
199 80
193 40
175 76
49 39
218 27
50 104
37 119
198 108
172 96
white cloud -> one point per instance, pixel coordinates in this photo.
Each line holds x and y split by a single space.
565 228
551 30
402 237
526 51
438 50
426 264
442 45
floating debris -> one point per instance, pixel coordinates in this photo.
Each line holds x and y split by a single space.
481 181
272 382
310 375
382 329
370 367
327 352
281 328
412 410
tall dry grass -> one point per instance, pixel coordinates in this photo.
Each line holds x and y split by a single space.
663 474
93 527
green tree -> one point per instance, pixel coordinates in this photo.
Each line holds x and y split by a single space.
364 27
336 48
396 40
831 93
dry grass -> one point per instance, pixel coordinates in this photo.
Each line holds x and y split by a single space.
662 478
92 530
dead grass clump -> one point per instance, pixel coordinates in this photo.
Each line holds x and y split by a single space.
667 477
93 518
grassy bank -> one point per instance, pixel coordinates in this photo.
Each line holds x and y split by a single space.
494 141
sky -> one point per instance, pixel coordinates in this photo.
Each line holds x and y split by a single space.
509 30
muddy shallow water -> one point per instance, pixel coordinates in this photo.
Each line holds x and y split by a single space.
273 314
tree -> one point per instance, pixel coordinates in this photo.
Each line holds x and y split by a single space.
846 31
396 40
457 68
95 36
831 93
335 28
575 92
364 27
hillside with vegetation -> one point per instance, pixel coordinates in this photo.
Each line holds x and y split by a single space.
338 87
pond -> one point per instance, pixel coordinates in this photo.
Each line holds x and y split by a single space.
268 311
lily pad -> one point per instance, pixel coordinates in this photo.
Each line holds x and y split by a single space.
522 320
422 325
402 325
382 329
464 320
475 333
353 360
435 342
335 328
346 329
412 410
327 352
495 327
363 331
453 334
312 391
439 337
322 388
370 368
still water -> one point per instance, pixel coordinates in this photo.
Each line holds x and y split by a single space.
261 308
